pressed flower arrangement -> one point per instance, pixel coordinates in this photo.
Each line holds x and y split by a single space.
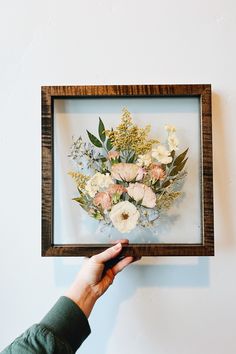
125 179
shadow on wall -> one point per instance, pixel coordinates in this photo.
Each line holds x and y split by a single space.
137 276
223 178
166 275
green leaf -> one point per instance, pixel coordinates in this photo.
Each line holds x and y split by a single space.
109 145
101 130
180 158
114 161
165 184
79 200
172 154
178 168
101 158
94 140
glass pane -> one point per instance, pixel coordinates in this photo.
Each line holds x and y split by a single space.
182 223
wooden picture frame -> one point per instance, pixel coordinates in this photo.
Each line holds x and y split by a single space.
51 93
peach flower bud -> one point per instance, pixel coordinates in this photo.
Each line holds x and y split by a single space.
112 155
103 199
116 188
157 172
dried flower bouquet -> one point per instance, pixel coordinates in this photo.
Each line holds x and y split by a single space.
124 178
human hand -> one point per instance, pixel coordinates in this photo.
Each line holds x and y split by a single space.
93 279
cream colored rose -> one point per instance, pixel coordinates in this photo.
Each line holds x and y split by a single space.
124 216
98 183
161 154
142 193
127 172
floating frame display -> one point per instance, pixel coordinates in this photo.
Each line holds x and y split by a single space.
158 96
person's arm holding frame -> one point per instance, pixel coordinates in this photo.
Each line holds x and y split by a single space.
66 326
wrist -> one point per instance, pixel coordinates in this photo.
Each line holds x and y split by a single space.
83 297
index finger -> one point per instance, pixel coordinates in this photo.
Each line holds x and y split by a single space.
122 264
108 254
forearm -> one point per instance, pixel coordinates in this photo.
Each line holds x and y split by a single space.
62 330
83 297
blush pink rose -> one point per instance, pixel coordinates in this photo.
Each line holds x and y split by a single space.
127 172
157 172
142 193
103 199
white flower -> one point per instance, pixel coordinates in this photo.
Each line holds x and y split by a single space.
124 216
173 142
170 128
98 183
144 160
142 193
161 154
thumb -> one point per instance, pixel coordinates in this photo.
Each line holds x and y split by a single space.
108 254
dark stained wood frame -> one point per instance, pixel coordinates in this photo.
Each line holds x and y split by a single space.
49 93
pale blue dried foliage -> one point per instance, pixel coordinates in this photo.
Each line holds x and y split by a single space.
84 157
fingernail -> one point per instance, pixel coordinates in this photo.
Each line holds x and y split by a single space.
118 246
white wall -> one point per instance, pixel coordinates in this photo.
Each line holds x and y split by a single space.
164 306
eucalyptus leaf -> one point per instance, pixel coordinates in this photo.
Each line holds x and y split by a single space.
131 159
101 130
94 140
180 158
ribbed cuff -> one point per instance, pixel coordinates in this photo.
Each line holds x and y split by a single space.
67 321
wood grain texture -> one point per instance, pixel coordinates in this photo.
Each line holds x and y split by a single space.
47 172
49 93
207 171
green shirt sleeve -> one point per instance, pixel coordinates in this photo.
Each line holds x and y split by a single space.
62 330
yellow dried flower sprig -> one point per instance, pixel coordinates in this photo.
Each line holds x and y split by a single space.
128 136
79 178
165 201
